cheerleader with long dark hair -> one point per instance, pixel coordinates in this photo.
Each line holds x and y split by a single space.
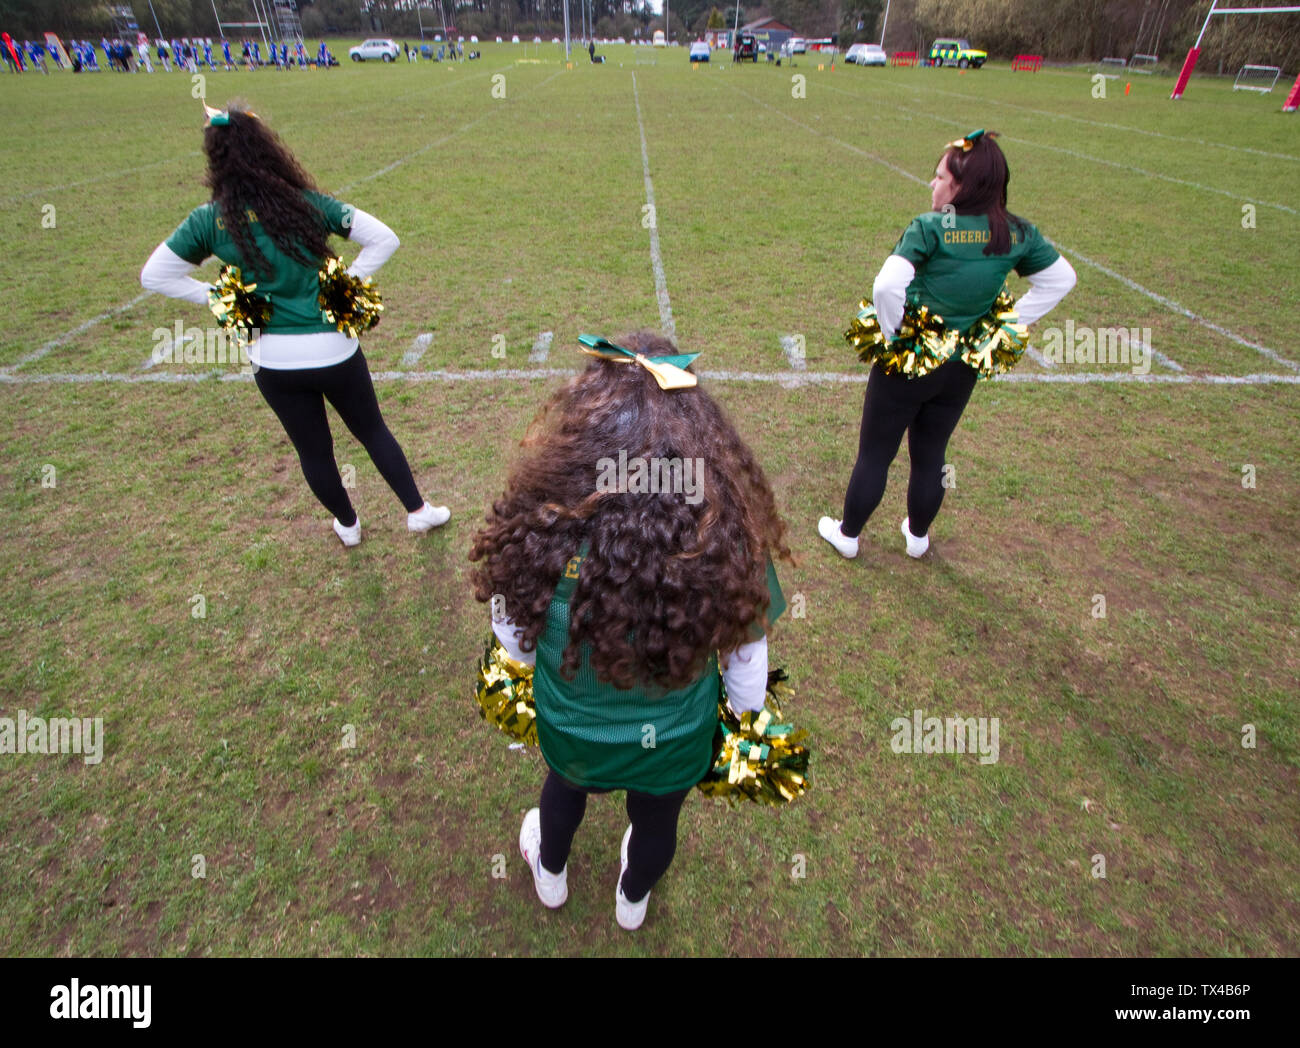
951 261
267 217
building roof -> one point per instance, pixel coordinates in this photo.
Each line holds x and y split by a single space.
766 24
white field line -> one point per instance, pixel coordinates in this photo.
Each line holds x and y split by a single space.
1168 303
1175 307
786 379
1156 355
69 335
418 348
50 190
433 145
656 259
1092 123
792 347
541 348
1088 157
195 152
1038 358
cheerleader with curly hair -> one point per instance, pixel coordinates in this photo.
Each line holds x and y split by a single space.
630 561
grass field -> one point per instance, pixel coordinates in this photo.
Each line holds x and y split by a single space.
1121 737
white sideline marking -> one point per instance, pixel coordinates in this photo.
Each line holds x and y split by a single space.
432 145
787 379
1168 303
412 356
541 348
98 178
1173 306
1096 123
793 353
1156 355
1143 172
1039 359
1085 156
68 336
656 259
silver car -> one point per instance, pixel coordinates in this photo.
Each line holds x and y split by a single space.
384 49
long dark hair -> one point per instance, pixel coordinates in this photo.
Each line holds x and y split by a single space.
250 169
668 579
982 175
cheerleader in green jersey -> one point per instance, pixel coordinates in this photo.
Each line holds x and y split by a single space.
634 599
267 218
953 261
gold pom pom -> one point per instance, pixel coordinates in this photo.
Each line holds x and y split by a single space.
759 758
995 343
505 694
237 306
349 303
921 344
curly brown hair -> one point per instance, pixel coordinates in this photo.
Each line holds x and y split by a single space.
665 583
249 168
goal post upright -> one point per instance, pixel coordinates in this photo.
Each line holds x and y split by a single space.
1189 63
1293 99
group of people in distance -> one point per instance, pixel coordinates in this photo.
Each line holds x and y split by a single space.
633 607
185 55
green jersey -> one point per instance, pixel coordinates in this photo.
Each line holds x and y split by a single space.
954 278
602 737
293 289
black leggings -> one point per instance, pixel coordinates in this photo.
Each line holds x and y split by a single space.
928 409
654 831
298 399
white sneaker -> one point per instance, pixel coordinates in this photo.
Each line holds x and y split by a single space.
915 547
629 914
348 536
552 888
427 517
830 531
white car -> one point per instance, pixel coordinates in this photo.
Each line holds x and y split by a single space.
798 45
377 48
867 55
700 51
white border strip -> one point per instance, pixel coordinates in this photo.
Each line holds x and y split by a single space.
656 259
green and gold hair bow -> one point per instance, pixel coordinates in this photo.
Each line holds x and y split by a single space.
964 144
219 117
669 371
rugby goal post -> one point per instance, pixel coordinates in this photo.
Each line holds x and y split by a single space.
1189 63
1256 78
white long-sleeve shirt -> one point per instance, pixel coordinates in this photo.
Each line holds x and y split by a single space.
1046 289
168 274
744 671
